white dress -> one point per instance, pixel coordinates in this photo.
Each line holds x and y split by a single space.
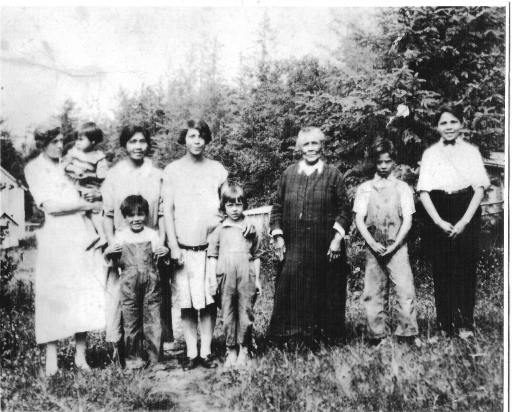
69 282
195 190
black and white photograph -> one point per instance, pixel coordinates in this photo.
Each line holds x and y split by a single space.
254 206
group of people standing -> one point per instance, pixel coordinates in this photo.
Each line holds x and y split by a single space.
185 226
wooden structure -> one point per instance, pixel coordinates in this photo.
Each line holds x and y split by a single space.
259 217
493 201
12 210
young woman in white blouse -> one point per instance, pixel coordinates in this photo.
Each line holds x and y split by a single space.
451 185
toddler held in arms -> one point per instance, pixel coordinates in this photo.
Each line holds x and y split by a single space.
88 167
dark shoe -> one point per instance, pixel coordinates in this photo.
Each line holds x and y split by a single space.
408 340
373 341
191 363
207 363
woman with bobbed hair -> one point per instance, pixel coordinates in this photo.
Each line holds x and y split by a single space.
69 281
451 185
134 175
192 188
310 216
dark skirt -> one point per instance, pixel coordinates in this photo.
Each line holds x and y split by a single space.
454 261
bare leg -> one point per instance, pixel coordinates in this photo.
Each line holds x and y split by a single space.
189 323
51 358
207 318
80 362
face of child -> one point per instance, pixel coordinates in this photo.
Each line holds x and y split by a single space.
136 147
194 142
311 148
234 210
83 143
54 148
136 221
385 165
449 126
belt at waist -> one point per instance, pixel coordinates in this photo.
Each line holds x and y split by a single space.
454 192
194 248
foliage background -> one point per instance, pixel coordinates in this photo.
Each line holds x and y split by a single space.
420 57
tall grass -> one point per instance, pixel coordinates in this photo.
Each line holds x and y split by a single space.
25 388
435 373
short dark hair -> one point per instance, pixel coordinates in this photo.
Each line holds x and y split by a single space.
456 111
134 204
45 133
200 126
91 131
380 147
231 195
129 131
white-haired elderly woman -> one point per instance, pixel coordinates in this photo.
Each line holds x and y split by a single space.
310 216
69 276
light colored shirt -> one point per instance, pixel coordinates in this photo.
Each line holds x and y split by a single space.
452 167
365 189
195 189
124 180
128 237
308 170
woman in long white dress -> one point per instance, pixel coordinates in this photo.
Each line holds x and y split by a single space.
69 281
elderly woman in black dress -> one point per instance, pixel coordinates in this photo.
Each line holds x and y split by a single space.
310 216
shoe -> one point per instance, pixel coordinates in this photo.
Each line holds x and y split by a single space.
208 362
230 358
374 341
191 363
409 340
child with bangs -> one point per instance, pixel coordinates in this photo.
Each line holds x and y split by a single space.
236 261
135 252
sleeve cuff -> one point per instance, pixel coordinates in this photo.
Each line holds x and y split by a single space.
276 232
339 228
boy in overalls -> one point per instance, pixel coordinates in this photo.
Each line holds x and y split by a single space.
135 252
384 208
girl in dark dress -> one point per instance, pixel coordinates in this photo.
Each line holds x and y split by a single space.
310 216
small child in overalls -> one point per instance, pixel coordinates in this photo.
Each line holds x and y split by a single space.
135 252
384 207
88 168
236 261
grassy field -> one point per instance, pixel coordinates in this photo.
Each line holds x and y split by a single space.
435 373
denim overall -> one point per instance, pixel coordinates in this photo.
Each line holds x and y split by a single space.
141 297
384 221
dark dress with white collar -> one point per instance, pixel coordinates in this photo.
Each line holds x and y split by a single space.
310 291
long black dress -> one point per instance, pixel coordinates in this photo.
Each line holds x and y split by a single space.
310 291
